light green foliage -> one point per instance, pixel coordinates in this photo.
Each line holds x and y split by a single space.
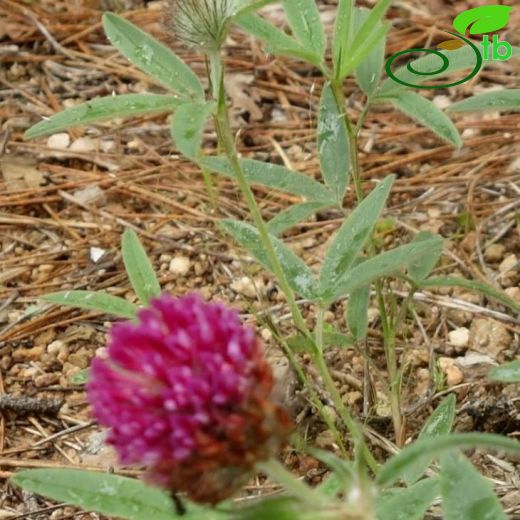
507 100
507 373
427 113
107 494
96 301
152 57
100 109
333 146
465 493
439 423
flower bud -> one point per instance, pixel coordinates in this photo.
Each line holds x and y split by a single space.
202 24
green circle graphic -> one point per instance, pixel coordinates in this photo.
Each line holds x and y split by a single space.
442 68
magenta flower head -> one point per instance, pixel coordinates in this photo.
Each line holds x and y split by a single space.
186 391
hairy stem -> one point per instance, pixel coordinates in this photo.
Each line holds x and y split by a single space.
227 142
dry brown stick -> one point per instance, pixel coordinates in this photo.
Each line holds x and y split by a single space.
29 405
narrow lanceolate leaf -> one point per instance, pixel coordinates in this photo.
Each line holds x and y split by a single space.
107 494
342 34
304 20
409 503
333 146
297 272
440 422
100 109
273 176
275 40
95 301
487 290
465 493
357 312
384 264
497 100
152 57
370 32
139 268
507 373
422 267
352 236
368 72
394 468
427 113
187 127
293 216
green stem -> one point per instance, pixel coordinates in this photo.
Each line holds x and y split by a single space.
388 330
228 144
347 419
295 487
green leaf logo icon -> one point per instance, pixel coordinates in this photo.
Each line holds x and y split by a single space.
481 20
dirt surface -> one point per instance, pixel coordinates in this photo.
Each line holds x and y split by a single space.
65 200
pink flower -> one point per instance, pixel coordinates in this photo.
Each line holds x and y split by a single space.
186 392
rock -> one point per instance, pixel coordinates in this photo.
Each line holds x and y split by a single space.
28 354
46 380
80 359
509 263
453 373
513 293
91 194
54 347
180 265
245 287
494 253
59 141
84 144
459 337
488 336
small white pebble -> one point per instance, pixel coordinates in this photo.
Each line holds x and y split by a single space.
59 141
84 144
96 253
245 287
180 265
459 337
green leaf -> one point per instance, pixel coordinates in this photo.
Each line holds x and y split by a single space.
353 235
275 40
427 113
458 60
278 508
394 468
357 312
107 494
294 215
187 127
466 495
439 423
487 290
365 49
507 373
298 274
368 73
331 339
342 35
304 20
484 19
152 57
497 100
370 31
103 108
333 146
273 176
139 268
96 301
424 265
409 503
384 264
